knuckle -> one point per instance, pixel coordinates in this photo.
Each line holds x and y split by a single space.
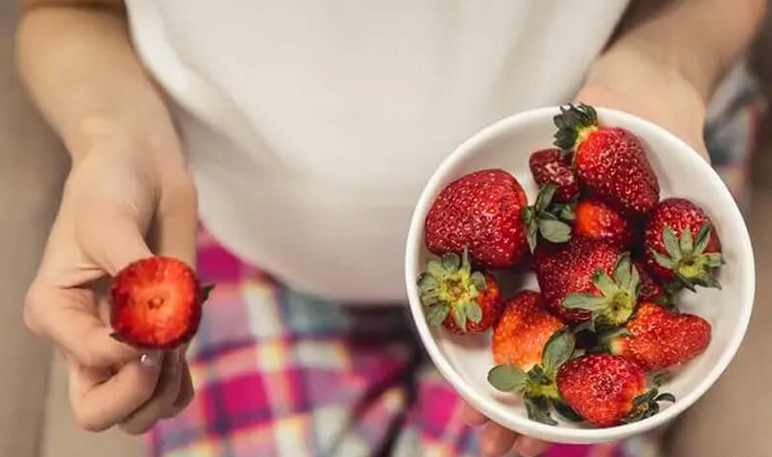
89 422
30 313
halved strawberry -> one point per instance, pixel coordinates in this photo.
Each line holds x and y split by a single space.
462 300
156 303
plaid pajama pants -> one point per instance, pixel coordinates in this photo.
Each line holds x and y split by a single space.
282 374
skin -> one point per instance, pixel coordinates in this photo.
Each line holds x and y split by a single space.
111 117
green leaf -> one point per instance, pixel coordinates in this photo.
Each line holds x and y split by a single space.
686 242
459 315
666 397
652 410
587 302
714 260
426 282
434 268
604 283
660 378
554 230
567 212
703 237
633 282
565 411
622 269
545 196
644 398
532 235
507 378
663 261
538 375
451 262
709 280
684 282
478 279
538 410
436 314
558 349
546 215
203 293
588 325
473 312
671 243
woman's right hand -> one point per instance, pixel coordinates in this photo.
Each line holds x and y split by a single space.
118 192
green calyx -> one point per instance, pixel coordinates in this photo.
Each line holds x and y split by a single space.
450 286
687 258
647 405
618 296
575 123
544 218
203 293
538 385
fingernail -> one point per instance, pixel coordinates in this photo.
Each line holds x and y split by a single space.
151 360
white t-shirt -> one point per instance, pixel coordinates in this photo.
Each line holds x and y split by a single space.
312 125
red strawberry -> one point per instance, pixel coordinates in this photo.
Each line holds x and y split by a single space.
480 211
523 330
649 289
682 245
597 220
608 390
537 384
550 166
587 280
156 303
457 297
609 161
656 338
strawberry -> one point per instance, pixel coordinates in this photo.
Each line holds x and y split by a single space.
550 166
656 338
610 162
682 245
156 303
587 280
462 300
537 384
608 390
649 289
480 211
523 330
599 221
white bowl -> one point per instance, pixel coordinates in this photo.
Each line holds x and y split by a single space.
465 360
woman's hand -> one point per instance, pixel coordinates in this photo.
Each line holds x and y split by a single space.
117 192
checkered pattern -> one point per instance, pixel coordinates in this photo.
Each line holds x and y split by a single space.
287 375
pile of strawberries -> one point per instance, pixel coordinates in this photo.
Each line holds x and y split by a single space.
609 257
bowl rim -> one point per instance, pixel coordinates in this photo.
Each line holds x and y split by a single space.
496 411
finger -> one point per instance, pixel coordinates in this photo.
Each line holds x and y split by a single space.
75 326
101 399
473 417
187 392
530 447
176 224
162 401
116 244
495 440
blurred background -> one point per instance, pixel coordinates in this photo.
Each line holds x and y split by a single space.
34 414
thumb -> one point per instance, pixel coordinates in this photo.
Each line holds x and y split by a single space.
112 237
